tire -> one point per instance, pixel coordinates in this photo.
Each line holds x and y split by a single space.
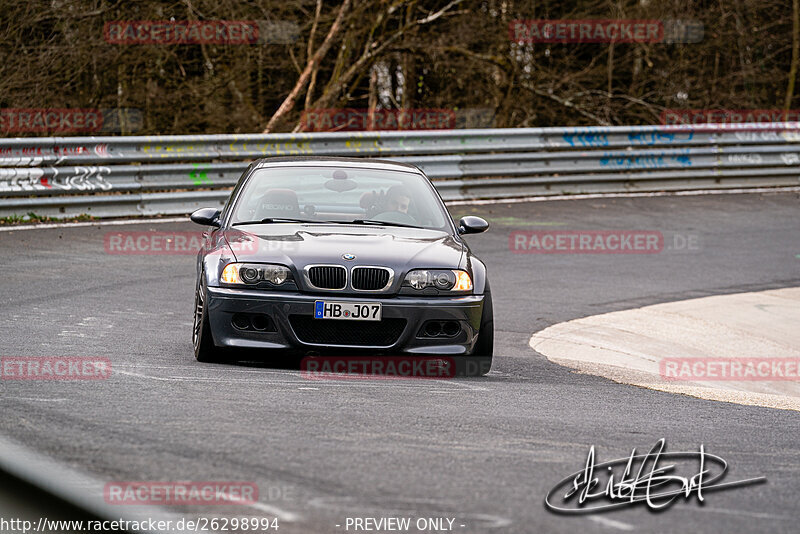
480 361
204 349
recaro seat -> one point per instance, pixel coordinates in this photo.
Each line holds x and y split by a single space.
278 203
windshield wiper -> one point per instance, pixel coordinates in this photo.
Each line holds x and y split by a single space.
382 223
269 220
278 219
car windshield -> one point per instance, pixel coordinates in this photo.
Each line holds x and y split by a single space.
340 195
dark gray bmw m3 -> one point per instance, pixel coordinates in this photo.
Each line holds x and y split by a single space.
314 254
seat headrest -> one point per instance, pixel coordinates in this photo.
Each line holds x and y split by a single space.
279 203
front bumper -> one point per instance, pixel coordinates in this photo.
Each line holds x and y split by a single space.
280 306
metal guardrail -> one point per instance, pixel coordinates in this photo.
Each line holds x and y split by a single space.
122 176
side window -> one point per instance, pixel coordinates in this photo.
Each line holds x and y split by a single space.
228 207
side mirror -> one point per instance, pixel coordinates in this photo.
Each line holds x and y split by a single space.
472 225
206 217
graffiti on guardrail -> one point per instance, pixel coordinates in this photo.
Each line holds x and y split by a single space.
199 175
653 161
21 161
659 138
587 140
31 156
621 157
744 159
753 135
210 150
590 137
792 136
294 148
174 148
297 148
357 145
82 179
37 178
99 150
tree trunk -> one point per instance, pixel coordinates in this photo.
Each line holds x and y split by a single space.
795 54
288 103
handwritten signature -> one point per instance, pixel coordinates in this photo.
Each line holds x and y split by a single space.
657 486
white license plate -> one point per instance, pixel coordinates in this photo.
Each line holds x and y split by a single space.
356 311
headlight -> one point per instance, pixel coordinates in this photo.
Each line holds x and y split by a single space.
253 273
444 280
230 274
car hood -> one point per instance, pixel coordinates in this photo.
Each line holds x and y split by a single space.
299 245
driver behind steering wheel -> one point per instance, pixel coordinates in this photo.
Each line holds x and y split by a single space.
397 199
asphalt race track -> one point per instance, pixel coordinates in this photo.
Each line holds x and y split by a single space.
484 451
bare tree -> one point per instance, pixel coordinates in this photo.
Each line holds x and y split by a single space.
454 54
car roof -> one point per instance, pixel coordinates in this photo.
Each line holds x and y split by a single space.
330 161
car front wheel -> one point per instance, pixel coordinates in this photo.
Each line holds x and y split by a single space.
480 362
204 348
